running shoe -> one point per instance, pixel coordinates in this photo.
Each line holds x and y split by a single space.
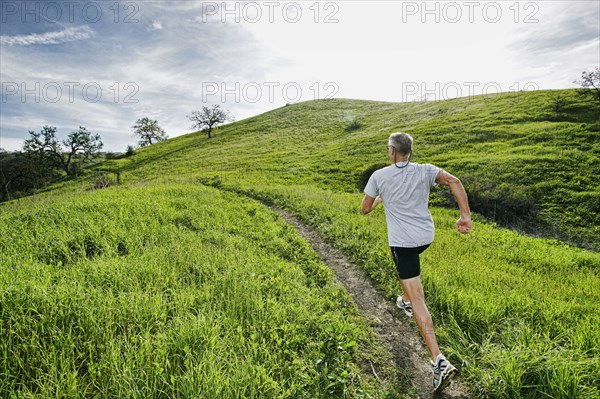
406 306
443 371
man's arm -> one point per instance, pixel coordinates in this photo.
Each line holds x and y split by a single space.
464 224
369 203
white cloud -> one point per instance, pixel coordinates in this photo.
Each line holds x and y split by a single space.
163 73
573 24
70 34
554 51
156 25
370 53
11 143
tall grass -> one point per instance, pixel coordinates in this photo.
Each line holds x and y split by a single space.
171 291
519 315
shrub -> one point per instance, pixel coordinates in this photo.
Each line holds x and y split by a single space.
354 125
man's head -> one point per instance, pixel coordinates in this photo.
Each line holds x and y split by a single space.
401 143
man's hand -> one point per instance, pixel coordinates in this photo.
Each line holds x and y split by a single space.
377 201
369 203
464 224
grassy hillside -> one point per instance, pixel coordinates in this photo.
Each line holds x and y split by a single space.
524 165
170 291
517 314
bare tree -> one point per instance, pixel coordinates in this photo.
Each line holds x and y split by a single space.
590 83
45 147
209 118
148 131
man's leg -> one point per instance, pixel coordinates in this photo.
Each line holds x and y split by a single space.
408 267
413 289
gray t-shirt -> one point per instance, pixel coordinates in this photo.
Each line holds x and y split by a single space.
405 196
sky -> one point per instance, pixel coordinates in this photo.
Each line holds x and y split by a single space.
105 64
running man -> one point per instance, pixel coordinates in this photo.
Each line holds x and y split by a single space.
403 188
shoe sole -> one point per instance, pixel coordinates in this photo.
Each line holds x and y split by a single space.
406 312
446 379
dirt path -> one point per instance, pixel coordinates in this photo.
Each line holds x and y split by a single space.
389 323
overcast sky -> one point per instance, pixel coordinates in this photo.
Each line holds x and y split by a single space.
104 64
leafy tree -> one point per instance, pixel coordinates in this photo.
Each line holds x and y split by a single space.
83 144
44 147
20 174
590 83
80 145
148 131
9 173
209 118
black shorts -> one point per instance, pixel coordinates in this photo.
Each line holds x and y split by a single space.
408 264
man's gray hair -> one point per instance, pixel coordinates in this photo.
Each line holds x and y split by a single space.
402 142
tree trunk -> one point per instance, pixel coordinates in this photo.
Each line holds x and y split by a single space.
5 193
6 184
66 164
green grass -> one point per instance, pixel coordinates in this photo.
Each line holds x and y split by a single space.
517 314
171 291
523 165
